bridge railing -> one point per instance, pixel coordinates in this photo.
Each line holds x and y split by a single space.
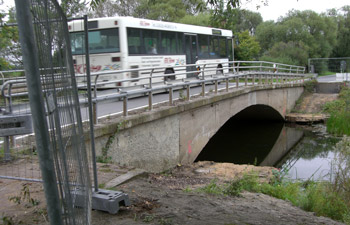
155 80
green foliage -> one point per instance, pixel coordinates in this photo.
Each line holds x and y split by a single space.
166 10
318 197
292 53
310 86
248 48
339 123
342 16
10 54
104 158
339 110
202 19
7 220
24 197
312 35
212 188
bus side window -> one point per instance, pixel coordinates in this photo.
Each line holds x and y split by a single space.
134 41
214 47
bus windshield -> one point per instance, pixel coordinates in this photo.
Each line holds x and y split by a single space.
100 41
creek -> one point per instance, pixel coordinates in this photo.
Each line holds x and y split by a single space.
302 152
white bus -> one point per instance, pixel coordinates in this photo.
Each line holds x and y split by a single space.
121 43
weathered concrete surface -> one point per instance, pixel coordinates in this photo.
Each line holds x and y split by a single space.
160 139
329 87
306 118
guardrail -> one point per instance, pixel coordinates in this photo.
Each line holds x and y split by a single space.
247 72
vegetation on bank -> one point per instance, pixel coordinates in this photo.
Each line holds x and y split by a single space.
339 110
326 198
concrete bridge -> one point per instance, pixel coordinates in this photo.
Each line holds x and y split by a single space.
169 135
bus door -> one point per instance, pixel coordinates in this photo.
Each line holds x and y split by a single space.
191 53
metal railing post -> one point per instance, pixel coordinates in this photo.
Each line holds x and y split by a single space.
246 80
188 92
94 103
170 95
253 81
227 84
203 89
150 94
216 86
237 81
125 106
203 83
260 79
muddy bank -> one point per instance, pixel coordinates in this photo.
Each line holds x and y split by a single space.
170 198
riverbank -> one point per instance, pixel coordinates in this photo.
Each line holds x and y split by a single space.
184 195
309 108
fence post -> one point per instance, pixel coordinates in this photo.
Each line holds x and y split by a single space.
216 86
227 84
31 65
237 81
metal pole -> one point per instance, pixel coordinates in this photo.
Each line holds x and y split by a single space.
125 106
91 122
171 95
188 92
31 66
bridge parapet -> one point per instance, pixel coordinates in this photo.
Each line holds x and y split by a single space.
166 136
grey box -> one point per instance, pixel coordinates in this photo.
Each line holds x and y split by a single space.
11 125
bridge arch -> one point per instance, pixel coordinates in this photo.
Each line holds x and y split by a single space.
199 125
246 137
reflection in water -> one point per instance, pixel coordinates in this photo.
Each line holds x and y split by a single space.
242 142
259 139
311 157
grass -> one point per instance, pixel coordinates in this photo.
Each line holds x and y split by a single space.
339 110
318 197
326 73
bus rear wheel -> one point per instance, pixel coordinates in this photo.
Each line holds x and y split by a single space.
169 78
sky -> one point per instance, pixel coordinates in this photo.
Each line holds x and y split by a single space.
277 8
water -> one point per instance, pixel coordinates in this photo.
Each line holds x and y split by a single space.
303 152
312 156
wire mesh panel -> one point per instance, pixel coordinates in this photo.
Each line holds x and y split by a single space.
18 156
61 105
327 66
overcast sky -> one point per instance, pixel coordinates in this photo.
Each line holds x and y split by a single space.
277 8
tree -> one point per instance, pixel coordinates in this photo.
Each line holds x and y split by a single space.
317 32
166 10
74 8
115 8
247 20
342 48
10 53
202 19
292 53
248 48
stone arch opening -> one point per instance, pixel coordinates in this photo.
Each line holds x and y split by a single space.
246 138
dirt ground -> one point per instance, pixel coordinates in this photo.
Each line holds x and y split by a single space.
170 198
313 103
